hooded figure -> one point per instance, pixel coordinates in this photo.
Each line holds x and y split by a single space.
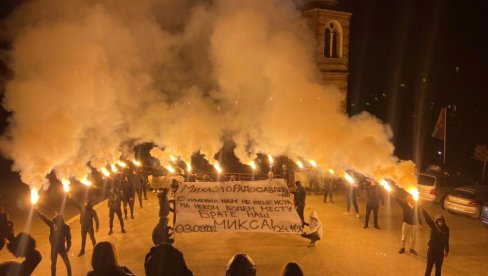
137 181
22 245
240 265
60 240
316 231
438 243
129 191
87 216
114 204
164 259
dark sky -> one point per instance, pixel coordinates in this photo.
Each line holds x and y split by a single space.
409 58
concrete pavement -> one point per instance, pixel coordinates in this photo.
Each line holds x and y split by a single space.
347 248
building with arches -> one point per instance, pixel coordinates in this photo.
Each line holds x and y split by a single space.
331 31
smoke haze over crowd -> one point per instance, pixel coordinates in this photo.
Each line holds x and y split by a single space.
94 78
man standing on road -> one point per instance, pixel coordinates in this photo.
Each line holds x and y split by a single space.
138 183
299 201
438 243
114 205
373 198
60 240
129 192
351 191
87 216
328 188
411 222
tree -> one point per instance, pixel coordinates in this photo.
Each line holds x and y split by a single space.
481 154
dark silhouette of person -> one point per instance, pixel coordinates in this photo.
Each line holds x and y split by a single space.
438 243
163 259
60 240
129 192
291 269
114 204
105 262
240 265
374 197
299 201
22 245
87 216
6 228
137 181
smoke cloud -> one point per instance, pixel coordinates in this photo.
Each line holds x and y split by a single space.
94 78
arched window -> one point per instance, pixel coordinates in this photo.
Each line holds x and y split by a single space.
333 40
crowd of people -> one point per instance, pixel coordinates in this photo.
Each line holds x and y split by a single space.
165 259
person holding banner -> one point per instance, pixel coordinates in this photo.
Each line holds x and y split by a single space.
299 201
316 231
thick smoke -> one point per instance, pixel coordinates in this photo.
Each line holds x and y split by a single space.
94 78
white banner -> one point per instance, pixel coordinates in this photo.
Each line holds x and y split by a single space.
251 206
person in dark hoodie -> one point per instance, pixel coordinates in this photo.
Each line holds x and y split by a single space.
105 263
22 245
114 204
60 240
137 181
374 197
411 222
299 201
87 216
163 259
438 243
129 192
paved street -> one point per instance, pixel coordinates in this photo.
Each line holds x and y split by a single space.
347 248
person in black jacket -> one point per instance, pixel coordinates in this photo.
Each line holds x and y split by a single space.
104 261
411 222
87 216
438 243
60 240
22 245
137 181
299 201
129 192
114 204
373 198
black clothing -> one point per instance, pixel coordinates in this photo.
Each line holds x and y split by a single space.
375 215
114 202
328 188
111 217
87 216
129 192
300 195
32 259
115 271
410 216
373 196
137 181
438 243
59 233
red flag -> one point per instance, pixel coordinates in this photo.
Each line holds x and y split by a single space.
440 127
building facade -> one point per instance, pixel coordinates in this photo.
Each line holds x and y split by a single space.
331 31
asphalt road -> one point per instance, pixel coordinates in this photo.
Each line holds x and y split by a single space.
346 249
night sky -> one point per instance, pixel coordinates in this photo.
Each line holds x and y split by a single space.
408 59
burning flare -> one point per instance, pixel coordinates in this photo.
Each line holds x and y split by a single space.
331 171
313 163
188 167
34 196
300 164
66 184
218 168
385 185
86 182
105 172
252 164
270 159
415 193
349 178
172 158
136 163
170 169
122 164
114 168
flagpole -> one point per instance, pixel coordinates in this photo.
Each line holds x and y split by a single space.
445 134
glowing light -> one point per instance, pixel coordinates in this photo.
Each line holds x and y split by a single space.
349 178
86 182
331 171
218 168
385 185
313 163
34 196
105 172
122 164
136 163
252 164
300 164
172 158
270 159
66 184
188 167
114 168
170 169
415 193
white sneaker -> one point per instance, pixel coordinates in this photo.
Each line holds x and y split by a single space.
358 216
346 213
